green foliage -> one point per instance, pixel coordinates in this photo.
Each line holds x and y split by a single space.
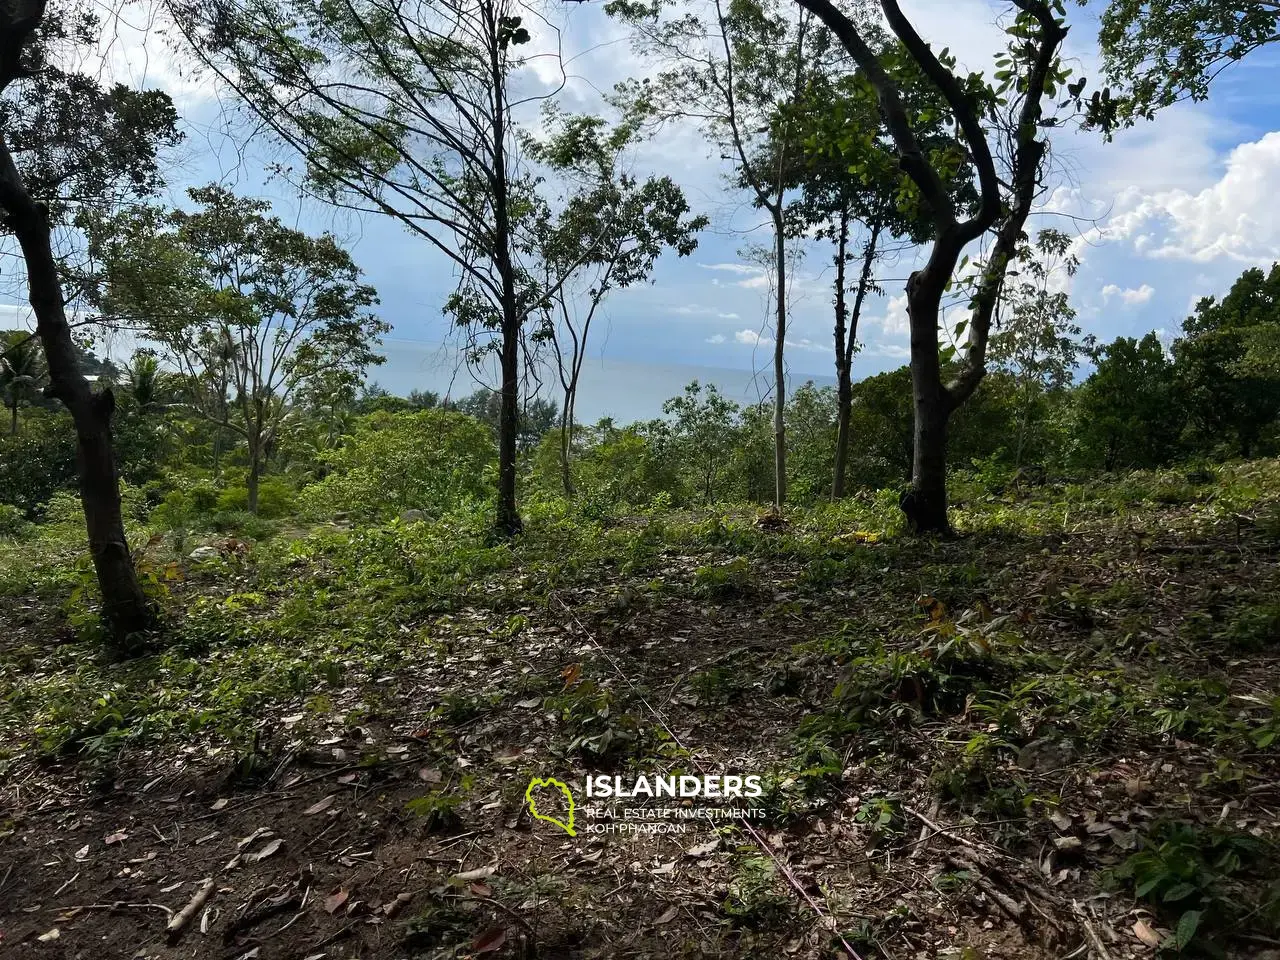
1161 51
433 461
1128 413
1225 366
1205 877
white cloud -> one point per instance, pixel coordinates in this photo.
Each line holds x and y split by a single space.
743 268
895 351
728 316
1229 219
755 339
896 319
717 338
1130 296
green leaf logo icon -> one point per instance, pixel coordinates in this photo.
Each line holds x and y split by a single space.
538 782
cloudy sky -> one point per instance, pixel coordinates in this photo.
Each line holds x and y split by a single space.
1166 213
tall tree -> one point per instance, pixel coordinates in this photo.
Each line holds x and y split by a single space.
986 119
1038 341
1162 51
855 195
733 66
1129 412
404 108
647 218
67 141
1225 363
251 313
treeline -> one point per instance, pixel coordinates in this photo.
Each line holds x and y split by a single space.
1213 394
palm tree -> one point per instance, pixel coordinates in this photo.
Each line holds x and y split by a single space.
145 380
21 370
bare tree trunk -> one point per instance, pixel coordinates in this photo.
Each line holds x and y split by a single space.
255 474
123 603
508 515
847 344
925 503
779 371
844 380
566 442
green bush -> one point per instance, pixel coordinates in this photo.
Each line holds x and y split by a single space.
430 461
12 523
276 498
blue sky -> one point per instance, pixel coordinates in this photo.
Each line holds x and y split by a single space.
1174 209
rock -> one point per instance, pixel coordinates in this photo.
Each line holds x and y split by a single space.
200 554
1046 754
412 516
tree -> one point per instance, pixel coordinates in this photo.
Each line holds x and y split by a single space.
851 181
405 109
66 141
21 372
1013 114
1039 342
251 313
1163 51
734 68
1129 412
648 217
1225 363
703 434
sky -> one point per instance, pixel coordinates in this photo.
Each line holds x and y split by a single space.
1168 212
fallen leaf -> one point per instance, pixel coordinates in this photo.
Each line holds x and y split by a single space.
668 915
53 934
571 674
489 941
481 889
336 900
83 852
703 849
1142 930
529 704
120 837
320 806
430 775
478 874
218 804
267 851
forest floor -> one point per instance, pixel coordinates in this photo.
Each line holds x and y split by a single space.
1052 736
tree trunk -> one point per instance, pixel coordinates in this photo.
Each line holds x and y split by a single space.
508 515
846 344
779 373
123 603
255 473
13 422
566 443
844 378
925 503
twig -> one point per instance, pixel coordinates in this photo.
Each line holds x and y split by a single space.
947 833
183 916
58 892
1090 934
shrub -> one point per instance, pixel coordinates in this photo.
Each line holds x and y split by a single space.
429 461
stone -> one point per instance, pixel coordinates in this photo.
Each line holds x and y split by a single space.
200 554
412 516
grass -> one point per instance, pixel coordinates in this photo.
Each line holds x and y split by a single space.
869 673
